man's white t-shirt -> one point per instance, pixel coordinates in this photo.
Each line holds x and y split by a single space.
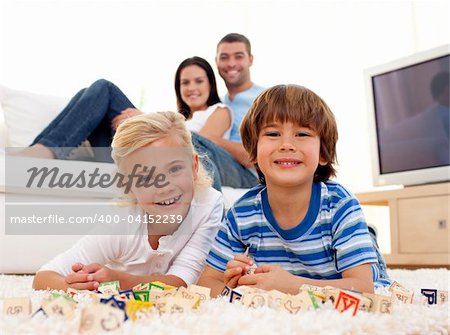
181 254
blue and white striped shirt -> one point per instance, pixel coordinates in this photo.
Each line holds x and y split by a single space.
332 237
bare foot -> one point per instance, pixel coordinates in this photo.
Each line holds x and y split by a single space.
125 114
36 150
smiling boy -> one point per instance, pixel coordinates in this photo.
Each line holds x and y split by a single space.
299 227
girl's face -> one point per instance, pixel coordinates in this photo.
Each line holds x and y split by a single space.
194 87
163 181
288 155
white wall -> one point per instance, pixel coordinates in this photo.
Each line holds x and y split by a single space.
60 46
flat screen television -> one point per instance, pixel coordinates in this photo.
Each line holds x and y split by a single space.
408 106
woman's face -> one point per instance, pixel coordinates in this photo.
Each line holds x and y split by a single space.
194 87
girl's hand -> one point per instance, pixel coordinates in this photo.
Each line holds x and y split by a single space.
78 267
78 279
100 273
271 277
236 268
89 277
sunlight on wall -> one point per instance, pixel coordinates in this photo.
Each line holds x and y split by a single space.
57 47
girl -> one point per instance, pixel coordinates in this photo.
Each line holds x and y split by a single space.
172 253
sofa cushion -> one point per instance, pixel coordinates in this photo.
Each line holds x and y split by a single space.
27 114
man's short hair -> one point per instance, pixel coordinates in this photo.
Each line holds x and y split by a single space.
235 37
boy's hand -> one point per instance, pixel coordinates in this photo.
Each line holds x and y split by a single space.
270 277
236 268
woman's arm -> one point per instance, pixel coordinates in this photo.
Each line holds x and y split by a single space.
217 123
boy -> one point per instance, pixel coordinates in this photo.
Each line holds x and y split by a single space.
297 225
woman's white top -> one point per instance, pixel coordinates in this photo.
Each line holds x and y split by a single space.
199 119
181 254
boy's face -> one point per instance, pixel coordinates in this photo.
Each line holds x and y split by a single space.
233 63
170 185
288 155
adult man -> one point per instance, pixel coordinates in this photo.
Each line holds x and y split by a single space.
229 158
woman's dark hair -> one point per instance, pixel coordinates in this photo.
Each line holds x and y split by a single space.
213 98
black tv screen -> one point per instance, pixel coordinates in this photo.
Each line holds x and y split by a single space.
411 106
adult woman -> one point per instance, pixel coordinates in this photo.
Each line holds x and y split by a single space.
94 113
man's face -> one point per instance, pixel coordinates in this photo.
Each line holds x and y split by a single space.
233 63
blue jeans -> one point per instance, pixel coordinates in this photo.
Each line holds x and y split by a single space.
222 163
87 116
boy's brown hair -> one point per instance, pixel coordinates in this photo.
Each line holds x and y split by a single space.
301 106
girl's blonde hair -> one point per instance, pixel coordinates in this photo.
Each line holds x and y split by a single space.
142 130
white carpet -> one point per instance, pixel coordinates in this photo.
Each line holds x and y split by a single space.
220 317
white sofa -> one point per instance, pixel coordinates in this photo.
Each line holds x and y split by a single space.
22 116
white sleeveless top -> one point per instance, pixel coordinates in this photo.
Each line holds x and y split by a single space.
199 119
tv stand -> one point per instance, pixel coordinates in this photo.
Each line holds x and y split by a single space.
419 224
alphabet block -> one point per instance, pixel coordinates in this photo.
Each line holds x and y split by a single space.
255 299
401 293
442 297
138 310
59 306
109 288
431 295
346 301
379 303
100 318
298 303
142 295
17 306
203 293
